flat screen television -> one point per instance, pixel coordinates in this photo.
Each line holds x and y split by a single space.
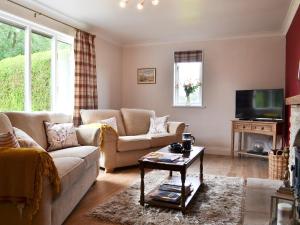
264 104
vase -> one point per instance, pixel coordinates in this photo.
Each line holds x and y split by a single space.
188 100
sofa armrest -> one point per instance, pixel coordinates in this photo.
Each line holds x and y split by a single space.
88 135
176 128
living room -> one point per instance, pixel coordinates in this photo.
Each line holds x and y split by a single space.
48 50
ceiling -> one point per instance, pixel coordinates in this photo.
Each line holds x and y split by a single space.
171 20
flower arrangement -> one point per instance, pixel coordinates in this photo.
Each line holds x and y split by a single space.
190 88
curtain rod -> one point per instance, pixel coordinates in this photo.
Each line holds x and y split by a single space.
41 14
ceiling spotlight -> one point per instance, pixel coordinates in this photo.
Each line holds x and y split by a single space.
140 5
155 2
123 3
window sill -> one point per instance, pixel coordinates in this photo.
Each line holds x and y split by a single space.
189 106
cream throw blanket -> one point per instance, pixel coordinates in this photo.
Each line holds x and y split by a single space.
22 171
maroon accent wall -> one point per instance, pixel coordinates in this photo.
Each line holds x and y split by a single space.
292 84
293 57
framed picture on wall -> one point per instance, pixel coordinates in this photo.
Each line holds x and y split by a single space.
146 76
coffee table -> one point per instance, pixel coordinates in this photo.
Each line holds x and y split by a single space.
182 166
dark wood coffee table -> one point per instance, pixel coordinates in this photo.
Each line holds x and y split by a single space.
189 159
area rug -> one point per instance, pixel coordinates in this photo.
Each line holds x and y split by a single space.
219 202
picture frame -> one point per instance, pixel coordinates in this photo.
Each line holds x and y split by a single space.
146 75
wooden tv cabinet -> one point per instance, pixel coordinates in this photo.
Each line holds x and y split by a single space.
270 128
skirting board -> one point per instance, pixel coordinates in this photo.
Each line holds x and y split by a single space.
214 150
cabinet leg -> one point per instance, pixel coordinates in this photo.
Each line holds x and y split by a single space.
232 143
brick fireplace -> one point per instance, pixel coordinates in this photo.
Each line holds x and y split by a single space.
294 129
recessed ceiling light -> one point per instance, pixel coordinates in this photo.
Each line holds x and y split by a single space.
155 2
123 3
140 5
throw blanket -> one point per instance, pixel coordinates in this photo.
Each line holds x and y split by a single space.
22 171
104 128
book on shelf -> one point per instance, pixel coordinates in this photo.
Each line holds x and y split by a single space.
174 188
174 185
166 196
163 157
176 181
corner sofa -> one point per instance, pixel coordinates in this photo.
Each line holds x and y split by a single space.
131 142
78 168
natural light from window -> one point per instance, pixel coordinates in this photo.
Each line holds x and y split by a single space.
36 67
188 84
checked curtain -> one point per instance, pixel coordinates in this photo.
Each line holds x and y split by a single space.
86 96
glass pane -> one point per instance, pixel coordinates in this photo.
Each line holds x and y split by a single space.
11 68
188 83
64 79
40 72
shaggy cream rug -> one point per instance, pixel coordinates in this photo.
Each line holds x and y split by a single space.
219 202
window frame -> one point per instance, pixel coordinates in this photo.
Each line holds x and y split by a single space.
176 78
55 36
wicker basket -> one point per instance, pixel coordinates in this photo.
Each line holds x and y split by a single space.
277 166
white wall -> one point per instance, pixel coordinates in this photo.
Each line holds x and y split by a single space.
108 59
108 56
232 64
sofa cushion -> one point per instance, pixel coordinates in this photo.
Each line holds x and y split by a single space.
136 121
89 154
69 170
33 123
25 141
162 140
158 125
60 135
129 143
5 124
93 116
9 140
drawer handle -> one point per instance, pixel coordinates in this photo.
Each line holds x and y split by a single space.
244 127
262 128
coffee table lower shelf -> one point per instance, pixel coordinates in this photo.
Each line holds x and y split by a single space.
196 184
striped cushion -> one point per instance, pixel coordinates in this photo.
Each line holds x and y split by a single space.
9 140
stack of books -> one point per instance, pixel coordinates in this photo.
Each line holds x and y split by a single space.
170 191
163 157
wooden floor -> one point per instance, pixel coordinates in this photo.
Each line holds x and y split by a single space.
108 185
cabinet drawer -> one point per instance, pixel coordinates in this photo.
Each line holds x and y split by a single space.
242 126
259 127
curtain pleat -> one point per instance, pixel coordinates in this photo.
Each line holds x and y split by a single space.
86 96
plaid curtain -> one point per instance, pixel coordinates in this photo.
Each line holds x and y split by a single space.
188 56
85 75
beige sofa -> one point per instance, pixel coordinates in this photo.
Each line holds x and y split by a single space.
77 167
132 140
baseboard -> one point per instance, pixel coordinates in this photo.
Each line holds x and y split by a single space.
215 150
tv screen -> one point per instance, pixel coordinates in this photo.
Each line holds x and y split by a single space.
267 104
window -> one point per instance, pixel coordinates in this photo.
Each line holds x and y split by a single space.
36 67
11 67
188 78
